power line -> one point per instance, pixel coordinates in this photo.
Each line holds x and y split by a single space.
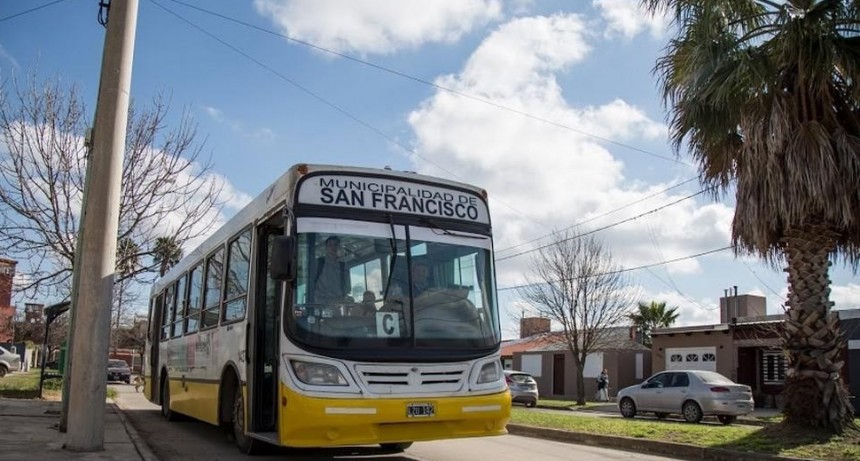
675 288
30 10
602 228
602 214
763 282
355 118
429 83
618 271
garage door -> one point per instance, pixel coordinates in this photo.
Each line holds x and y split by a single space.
691 358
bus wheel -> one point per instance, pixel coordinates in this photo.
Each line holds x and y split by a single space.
247 445
395 447
168 414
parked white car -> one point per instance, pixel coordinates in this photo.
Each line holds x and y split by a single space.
9 362
691 393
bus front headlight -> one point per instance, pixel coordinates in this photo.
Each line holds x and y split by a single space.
318 374
489 373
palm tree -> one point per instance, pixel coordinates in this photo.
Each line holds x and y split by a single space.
764 93
650 316
166 253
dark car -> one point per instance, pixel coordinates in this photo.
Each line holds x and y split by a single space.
118 370
523 387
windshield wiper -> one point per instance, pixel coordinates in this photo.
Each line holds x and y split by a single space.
446 231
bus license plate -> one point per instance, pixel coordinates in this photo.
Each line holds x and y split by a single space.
420 410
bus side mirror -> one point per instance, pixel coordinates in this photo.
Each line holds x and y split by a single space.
281 265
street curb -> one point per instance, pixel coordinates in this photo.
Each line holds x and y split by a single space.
677 450
139 444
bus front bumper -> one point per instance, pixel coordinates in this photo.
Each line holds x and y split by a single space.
320 422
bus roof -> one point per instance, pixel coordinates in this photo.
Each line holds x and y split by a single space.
277 193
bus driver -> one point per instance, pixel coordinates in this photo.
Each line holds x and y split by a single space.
331 283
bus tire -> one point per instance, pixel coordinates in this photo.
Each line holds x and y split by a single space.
247 445
395 447
168 414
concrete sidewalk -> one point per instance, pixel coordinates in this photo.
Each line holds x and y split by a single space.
29 431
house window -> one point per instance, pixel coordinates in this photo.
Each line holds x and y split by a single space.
676 358
692 357
773 367
708 357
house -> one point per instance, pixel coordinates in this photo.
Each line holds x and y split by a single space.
745 347
7 310
545 355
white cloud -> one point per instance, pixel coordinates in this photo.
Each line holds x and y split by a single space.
541 177
845 296
691 311
627 18
380 26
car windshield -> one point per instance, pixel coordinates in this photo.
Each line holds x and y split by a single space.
385 286
710 377
117 364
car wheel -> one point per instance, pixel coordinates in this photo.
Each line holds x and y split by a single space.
692 412
168 414
531 404
395 447
2 371
726 419
247 445
628 408
661 415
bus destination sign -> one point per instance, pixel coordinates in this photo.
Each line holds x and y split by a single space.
393 196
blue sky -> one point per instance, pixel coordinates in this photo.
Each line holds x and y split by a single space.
573 105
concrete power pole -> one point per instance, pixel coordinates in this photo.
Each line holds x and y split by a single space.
101 220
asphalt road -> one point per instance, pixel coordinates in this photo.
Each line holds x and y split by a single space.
197 441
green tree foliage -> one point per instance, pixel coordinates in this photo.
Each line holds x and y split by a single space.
650 316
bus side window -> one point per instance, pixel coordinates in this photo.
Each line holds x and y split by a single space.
212 298
169 311
195 294
179 315
238 268
161 313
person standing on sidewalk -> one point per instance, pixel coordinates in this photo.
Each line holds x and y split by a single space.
603 386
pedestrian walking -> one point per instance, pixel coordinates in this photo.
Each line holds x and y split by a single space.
603 386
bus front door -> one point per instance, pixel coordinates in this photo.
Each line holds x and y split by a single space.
263 377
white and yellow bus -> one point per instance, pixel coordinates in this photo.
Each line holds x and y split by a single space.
243 336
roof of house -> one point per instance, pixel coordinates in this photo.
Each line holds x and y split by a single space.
616 338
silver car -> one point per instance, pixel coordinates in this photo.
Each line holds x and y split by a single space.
691 393
523 387
9 361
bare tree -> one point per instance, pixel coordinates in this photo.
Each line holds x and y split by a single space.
575 283
166 190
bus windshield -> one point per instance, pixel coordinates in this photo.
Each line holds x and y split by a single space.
368 285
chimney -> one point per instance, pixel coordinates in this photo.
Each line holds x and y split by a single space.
530 326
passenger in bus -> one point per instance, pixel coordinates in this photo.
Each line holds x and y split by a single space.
420 279
368 304
331 283
420 283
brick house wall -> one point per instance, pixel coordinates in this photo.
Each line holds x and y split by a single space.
7 311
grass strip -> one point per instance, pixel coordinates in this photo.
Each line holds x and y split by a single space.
775 439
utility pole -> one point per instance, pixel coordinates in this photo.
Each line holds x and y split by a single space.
100 219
